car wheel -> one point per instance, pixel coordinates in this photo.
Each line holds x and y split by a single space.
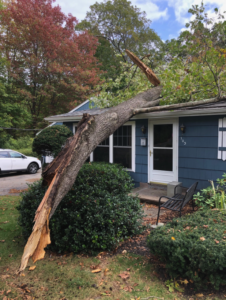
32 168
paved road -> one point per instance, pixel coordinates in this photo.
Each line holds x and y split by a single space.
13 183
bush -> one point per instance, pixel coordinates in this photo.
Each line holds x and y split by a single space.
212 196
95 215
51 140
193 247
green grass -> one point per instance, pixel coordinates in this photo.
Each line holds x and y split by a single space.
70 276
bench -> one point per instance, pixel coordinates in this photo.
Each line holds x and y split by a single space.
178 201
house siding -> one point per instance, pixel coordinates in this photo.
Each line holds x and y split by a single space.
69 125
198 148
85 106
141 158
141 155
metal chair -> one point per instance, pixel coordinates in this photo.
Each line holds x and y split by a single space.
178 201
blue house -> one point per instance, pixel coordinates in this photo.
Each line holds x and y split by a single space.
186 145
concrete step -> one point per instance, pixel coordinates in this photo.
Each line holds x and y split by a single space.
150 193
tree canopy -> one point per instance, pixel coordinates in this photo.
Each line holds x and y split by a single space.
192 66
119 26
51 66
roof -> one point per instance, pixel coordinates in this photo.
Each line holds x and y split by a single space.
203 109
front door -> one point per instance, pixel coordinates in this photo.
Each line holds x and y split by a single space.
163 151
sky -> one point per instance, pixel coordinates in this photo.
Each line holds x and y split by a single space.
168 16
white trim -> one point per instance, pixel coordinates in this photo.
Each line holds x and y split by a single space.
91 157
111 148
74 125
163 176
133 124
224 140
46 127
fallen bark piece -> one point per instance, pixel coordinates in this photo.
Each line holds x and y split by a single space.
96 271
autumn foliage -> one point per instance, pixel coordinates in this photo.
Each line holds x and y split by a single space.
52 66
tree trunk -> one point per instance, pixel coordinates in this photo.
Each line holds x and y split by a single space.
60 175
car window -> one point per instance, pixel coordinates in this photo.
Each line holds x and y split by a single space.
4 154
15 154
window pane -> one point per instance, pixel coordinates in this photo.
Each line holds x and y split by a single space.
123 156
163 159
163 135
122 136
15 154
101 154
4 154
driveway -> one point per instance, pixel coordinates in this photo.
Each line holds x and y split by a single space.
13 183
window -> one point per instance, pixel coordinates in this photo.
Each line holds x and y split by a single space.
4 154
163 147
101 153
118 148
222 139
15 154
122 146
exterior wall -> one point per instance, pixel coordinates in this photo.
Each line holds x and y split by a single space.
85 106
141 155
198 149
69 125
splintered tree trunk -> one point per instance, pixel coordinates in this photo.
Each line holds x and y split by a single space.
60 175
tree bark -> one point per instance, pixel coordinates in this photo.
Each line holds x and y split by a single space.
60 175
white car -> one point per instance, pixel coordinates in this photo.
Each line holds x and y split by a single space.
13 161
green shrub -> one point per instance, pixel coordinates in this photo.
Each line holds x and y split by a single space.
95 215
193 247
51 140
212 196
23 142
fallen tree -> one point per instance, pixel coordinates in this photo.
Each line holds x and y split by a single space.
60 175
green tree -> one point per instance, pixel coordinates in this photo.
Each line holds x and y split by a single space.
196 60
52 66
13 113
51 140
123 26
193 67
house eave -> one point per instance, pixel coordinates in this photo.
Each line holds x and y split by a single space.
179 113
152 115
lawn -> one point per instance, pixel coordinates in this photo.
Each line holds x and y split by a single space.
70 276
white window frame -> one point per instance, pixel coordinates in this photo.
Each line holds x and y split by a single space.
75 125
221 139
133 147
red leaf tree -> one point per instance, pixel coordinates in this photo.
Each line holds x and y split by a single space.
52 66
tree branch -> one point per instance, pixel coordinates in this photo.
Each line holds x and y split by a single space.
175 106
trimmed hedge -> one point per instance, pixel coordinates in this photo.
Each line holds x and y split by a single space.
193 247
51 140
95 215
